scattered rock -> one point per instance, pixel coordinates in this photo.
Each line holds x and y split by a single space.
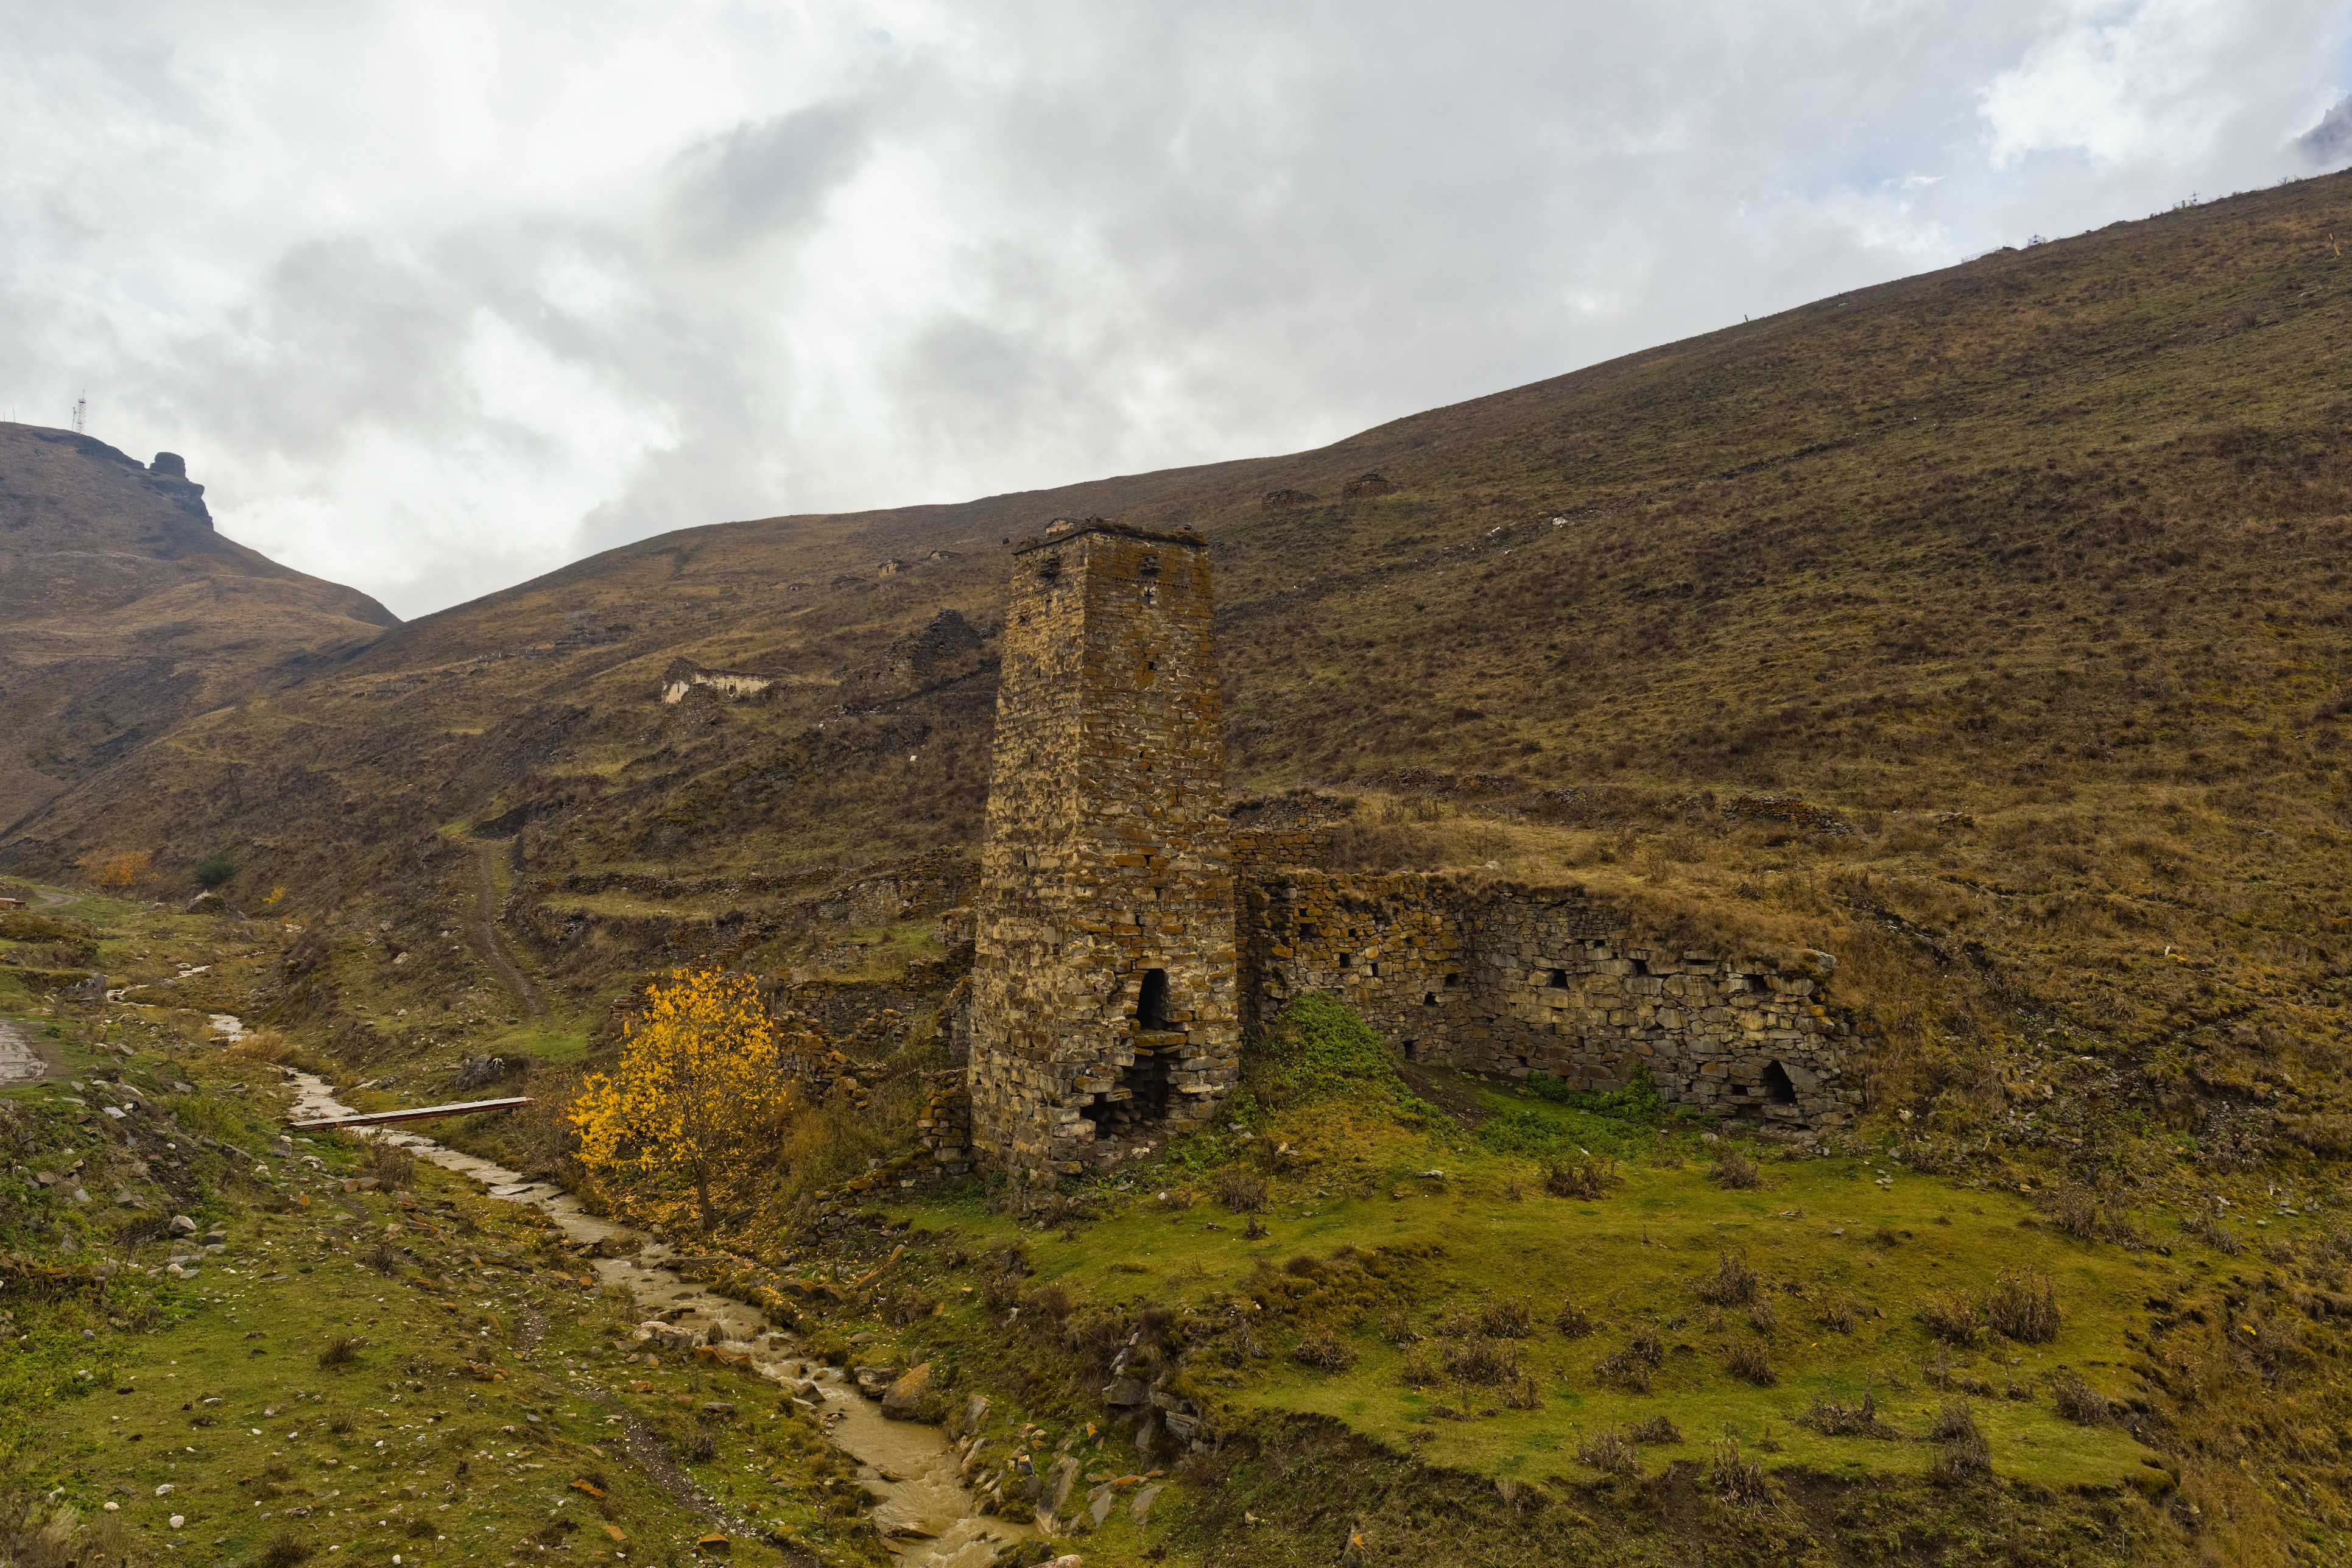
904 1402
183 1225
1126 1391
1059 1479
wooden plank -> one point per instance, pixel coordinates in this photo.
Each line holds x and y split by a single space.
417 1113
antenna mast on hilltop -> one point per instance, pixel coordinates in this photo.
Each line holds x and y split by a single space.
82 414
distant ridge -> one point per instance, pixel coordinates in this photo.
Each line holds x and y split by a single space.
124 611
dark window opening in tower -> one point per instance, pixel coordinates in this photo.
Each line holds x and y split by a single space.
1558 980
1778 1090
1151 1005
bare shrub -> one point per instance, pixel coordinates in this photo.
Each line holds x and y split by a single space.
699 1444
1478 1359
1324 1351
1656 1430
1954 1420
1612 1454
1965 1451
2023 1306
1396 1326
1507 1318
1750 1362
1523 1394
1735 1170
2204 1225
286 1551
1953 1317
1419 1371
342 1352
1629 1368
1835 1311
1736 1477
1240 1192
1762 1317
1047 1301
393 1166
384 1257
2077 1210
1572 1320
1587 1175
1831 1419
2077 1400
1734 1284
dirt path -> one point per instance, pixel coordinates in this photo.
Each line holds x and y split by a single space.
485 935
20 1059
926 1517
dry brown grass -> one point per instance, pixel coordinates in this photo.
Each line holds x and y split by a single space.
1584 1176
1733 1282
2023 1305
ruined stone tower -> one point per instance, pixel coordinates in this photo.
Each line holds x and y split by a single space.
1104 1010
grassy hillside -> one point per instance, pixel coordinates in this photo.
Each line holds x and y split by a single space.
2028 572
122 612
1985 629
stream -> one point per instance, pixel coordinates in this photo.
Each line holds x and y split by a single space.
926 1517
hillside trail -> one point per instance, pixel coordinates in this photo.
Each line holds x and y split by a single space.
19 1062
485 935
926 1517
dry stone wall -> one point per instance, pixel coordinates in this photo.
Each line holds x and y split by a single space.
1519 980
1105 1012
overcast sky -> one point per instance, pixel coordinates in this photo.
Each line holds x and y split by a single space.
437 296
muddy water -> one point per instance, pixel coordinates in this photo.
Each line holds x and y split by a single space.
926 1515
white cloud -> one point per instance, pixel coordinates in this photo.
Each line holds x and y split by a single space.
435 295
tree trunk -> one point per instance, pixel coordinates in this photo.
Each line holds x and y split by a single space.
702 1196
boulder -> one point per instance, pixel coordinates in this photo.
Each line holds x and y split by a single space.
207 902
1059 1479
965 1423
1124 1391
874 1381
904 1400
183 1225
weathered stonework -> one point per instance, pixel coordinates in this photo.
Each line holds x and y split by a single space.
1519 980
1103 1007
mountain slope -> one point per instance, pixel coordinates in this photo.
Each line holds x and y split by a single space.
122 612
2051 542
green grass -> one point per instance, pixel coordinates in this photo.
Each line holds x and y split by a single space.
556 1042
1631 1260
477 1394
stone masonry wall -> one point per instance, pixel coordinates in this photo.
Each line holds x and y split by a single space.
1105 1012
1519 980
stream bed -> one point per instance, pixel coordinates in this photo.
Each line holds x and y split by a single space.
926 1517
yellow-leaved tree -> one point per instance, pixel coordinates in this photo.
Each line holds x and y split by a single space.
704 1082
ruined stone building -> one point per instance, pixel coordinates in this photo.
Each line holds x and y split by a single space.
1104 984
1127 940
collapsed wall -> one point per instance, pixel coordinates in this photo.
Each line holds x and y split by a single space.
1517 980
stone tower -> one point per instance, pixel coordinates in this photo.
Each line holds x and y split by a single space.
1105 1008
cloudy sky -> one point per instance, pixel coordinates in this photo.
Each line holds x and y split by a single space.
435 297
